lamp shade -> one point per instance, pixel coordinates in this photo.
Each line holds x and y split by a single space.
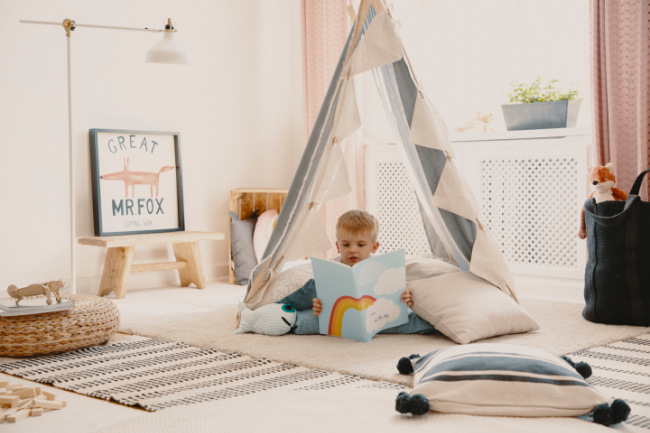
169 50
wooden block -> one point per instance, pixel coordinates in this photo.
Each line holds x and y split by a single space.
20 415
36 411
46 404
11 400
193 272
63 403
24 392
26 403
50 396
38 390
4 383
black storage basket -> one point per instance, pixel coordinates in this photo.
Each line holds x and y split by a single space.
617 275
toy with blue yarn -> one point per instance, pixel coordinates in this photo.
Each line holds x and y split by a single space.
271 319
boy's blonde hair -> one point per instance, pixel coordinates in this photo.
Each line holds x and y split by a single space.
358 221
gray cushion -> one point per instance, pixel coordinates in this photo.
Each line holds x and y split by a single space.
241 244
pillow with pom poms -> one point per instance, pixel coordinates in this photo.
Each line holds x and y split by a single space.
503 380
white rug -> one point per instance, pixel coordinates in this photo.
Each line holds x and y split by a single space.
206 318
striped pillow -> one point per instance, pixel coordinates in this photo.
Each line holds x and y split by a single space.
503 380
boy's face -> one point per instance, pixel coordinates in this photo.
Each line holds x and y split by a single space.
355 247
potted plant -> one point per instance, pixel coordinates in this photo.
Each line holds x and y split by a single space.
540 105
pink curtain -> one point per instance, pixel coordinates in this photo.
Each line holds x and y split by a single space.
326 24
620 63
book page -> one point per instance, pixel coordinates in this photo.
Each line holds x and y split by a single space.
362 300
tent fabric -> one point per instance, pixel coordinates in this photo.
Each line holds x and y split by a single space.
449 211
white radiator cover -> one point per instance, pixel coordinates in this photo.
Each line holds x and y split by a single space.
531 186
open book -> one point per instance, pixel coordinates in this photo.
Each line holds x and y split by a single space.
361 300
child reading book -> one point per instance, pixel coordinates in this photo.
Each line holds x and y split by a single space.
356 240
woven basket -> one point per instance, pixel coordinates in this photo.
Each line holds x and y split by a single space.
92 321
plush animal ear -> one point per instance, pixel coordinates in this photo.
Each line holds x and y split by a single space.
610 166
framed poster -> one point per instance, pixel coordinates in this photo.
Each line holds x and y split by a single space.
136 182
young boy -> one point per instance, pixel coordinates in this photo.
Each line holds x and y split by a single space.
356 239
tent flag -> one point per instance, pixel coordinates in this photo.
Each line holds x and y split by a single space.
380 46
332 180
452 195
448 209
488 265
346 119
427 129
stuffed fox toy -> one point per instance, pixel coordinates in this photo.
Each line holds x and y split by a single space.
603 180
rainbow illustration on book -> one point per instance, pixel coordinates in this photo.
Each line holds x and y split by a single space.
361 300
341 306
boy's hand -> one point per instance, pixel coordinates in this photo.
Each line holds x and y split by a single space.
406 297
317 306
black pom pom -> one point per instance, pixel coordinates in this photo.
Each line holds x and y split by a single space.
416 404
620 410
583 369
603 414
567 359
401 402
404 365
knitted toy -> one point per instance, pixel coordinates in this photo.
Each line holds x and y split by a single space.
603 180
271 319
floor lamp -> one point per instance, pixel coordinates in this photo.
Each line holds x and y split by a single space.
169 50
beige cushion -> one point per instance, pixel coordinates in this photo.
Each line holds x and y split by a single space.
466 308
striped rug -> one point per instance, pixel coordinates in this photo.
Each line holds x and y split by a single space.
155 374
622 370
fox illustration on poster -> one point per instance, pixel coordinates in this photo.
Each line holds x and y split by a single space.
137 185
361 300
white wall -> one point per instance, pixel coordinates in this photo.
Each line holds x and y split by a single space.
465 53
237 108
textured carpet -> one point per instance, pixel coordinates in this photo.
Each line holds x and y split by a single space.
206 318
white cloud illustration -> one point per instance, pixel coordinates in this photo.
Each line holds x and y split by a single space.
381 312
391 281
368 273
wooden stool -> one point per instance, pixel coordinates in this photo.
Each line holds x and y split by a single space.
119 256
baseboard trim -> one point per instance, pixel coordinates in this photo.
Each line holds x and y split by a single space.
557 289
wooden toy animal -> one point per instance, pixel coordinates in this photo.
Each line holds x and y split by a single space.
133 178
46 289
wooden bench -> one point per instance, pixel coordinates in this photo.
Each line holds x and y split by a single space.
117 265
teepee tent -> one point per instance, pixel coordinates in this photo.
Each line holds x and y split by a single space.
450 214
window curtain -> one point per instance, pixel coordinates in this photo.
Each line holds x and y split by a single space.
326 24
620 33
